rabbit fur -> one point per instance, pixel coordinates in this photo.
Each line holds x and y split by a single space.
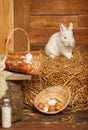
3 75
61 43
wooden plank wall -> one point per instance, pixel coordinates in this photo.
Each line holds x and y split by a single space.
6 22
45 16
21 19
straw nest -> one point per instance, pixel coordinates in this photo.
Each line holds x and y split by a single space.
71 73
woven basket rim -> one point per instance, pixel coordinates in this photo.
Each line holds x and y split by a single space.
51 88
10 34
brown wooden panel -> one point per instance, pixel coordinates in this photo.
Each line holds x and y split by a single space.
81 36
25 125
52 21
21 19
41 35
59 7
83 20
6 23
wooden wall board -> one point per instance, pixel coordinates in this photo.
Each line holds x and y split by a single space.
21 19
52 21
59 7
6 23
83 21
41 35
81 35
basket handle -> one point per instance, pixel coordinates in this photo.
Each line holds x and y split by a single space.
10 34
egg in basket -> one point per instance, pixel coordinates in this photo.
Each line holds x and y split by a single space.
52 99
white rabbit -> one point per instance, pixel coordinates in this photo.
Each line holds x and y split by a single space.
61 43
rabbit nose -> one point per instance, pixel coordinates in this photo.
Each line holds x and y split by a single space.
68 44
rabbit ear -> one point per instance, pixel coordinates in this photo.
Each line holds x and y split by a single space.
62 27
70 26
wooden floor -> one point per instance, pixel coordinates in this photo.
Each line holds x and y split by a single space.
48 126
61 121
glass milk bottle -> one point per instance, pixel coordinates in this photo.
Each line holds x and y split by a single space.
6 113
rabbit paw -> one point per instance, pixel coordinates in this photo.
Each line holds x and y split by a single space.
69 55
52 56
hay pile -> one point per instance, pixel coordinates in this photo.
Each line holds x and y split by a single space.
71 73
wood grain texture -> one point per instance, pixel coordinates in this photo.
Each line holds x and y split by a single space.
48 126
83 21
6 23
81 36
52 21
59 7
21 19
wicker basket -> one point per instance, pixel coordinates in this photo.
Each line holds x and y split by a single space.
58 93
15 62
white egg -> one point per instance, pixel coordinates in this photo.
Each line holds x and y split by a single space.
46 108
52 102
28 56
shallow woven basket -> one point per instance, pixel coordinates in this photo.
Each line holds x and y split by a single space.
14 61
56 92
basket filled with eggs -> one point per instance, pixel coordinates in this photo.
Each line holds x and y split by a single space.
27 62
52 99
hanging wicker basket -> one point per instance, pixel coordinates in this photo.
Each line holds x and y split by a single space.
52 99
16 61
